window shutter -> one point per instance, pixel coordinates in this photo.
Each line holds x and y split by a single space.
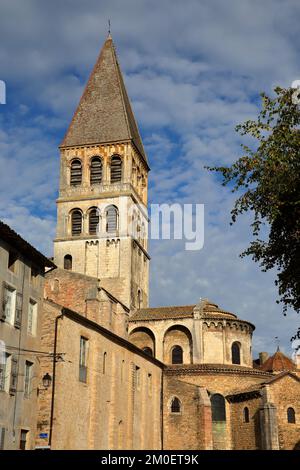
2 437
3 374
14 376
76 173
18 315
115 169
96 171
3 303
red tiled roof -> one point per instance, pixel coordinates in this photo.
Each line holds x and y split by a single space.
277 363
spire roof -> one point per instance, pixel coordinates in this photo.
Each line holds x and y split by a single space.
104 113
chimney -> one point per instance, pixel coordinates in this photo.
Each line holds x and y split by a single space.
263 356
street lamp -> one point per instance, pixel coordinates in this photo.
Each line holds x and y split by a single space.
47 379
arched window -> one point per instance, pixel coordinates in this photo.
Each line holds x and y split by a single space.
76 173
76 222
115 169
104 363
148 351
246 414
93 221
236 353
68 262
177 355
291 417
175 405
96 170
111 219
218 407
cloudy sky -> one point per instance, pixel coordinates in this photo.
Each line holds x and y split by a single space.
193 69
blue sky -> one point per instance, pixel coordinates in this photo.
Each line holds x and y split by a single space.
193 70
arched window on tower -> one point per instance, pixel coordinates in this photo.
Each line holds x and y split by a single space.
76 222
291 416
68 262
246 414
93 221
177 355
76 173
236 353
175 405
111 219
218 411
96 171
115 169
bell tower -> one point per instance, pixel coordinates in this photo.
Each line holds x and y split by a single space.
102 218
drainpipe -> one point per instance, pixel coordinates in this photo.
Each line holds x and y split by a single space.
162 410
54 377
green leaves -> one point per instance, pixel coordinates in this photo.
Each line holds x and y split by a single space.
268 177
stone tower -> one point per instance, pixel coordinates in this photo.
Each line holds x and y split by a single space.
102 220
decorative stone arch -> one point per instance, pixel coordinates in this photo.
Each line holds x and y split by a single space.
96 166
75 171
75 224
111 219
143 338
116 168
94 218
178 335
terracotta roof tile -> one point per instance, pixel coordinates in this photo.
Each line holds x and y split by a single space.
277 363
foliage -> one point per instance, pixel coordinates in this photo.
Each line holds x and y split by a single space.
269 178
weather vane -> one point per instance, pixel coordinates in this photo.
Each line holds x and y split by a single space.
277 341
108 26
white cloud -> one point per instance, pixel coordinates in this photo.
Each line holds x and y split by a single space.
194 70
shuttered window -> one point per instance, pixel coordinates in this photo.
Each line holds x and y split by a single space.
76 222
2 438
93 221
111 219
32 318
18 315
115 169
76 173
9 304
14 376
28 379
5 371
96 170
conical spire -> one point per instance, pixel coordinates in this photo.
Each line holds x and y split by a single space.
104 113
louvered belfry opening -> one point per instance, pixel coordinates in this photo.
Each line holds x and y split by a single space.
96 170
93 221
115 169
111 219
76 222
76 173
